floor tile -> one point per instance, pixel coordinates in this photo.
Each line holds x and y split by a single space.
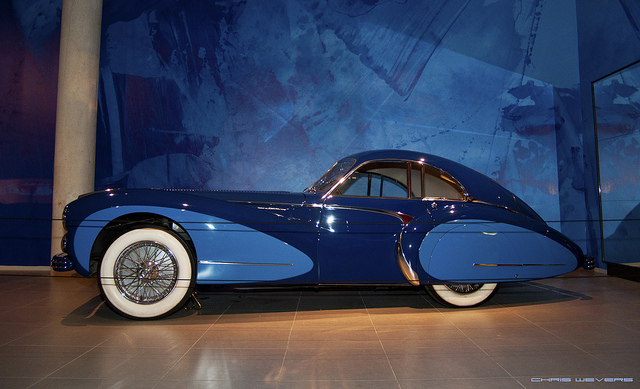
556 365
94 383
447 366
339 384
194 368
341 369
217 384
17 383
461 383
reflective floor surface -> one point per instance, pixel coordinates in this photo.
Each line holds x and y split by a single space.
583 328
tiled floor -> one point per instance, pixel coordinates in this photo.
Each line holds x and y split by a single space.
56 333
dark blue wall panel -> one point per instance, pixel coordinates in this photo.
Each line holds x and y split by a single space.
29 45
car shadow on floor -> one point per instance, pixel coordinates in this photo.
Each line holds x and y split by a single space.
534 293
283 303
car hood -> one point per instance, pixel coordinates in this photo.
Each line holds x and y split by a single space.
204 201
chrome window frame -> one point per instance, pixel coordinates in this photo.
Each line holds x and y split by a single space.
313 189
444 175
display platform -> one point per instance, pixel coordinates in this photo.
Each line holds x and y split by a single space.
628 271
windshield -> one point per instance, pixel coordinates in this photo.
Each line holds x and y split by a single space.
332 176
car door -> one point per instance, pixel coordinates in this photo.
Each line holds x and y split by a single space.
362 221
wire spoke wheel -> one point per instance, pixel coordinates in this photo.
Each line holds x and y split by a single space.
147 273
464 288
462 295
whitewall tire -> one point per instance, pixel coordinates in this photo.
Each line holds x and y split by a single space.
462 295
146 273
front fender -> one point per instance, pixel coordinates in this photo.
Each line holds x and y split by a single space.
227 252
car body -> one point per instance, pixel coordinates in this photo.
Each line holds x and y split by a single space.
387 217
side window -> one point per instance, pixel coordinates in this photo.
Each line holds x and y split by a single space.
377 179
438 185
393 179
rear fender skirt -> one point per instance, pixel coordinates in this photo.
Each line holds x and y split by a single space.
487 251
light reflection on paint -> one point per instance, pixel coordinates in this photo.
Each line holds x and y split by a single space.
330 221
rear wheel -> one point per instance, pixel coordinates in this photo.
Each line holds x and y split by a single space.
146 273
462 295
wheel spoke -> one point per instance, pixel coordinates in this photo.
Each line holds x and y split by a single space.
464 288
145 272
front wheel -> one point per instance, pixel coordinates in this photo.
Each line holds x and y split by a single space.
146 273
462 295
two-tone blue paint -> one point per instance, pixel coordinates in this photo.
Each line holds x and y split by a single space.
491 252
221 248
323 237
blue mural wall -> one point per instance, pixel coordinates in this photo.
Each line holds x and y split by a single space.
266 95
29 46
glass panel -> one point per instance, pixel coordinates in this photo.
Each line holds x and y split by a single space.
332 175
438 186
356 185
617 106
377 179
417 190
392 187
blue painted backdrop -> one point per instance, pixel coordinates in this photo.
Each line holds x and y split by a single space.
266 95
29 45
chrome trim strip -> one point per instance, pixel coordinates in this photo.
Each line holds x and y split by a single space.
329 193
264 203
270 205
503 207
373 210
517 265
205 262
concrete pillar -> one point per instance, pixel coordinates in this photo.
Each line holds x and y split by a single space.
77 107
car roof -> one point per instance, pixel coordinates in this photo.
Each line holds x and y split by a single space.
457 170
431 159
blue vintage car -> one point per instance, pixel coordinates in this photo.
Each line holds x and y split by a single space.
385 217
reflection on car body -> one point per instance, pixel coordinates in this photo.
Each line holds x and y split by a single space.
385 217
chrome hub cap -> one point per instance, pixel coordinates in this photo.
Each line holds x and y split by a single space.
145 272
